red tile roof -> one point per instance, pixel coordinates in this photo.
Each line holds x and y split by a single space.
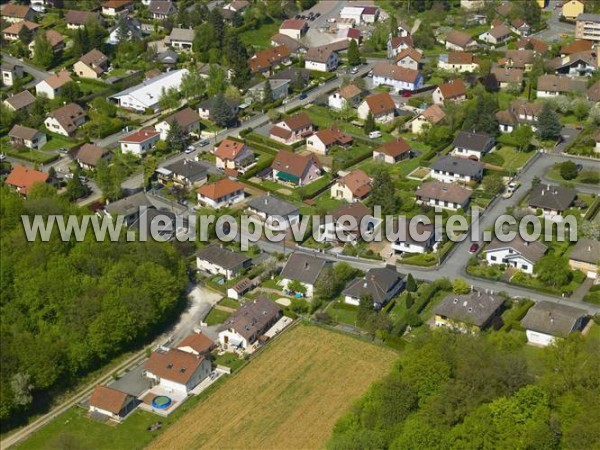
293 163
196 341
15 28
394 148
358 182
381 103
108 399
265 59
23 178
220 189
140 136
293 24
229 149
453 89
174 365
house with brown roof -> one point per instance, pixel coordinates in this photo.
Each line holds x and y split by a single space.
520 27
397 44
26 137
324 58
292 129
424 121
553 201
393 151
296 169
161 9
13 13
443 195
294 28
496 35
516 253
410 58
507 121
554 85
349 223
323 140
52 85
585 257
188 120
295 47
113 8
264 61
22 178
237 5
508 77
526 113
91 65
196 344
352 187
55 39
234 155
78 19
11 33
459 41
223 193
66 119
89 155
576 64
242 330
346 95
398 78
577 46
381 105
532 43
458 62
303 268
111 403
21 101
468 313
139 142
518 59
176 370
454 91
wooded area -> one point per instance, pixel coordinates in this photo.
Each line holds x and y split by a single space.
70 307
457 391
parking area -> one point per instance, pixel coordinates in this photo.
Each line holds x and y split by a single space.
132 382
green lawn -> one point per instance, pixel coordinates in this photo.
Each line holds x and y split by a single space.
230 303
260 38
508 157
30 155
326 203
56 141
216 317
229 360
89 86
594 331
343 313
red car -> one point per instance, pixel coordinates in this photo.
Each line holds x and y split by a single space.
407 94
473 248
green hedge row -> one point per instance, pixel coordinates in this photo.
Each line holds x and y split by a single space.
257 168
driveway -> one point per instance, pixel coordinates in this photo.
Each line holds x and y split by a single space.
37 74
568 135
132 382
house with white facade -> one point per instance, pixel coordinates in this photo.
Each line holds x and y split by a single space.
11 72
397 44
450 169
292 129
187 119
547 322
381 105
416 238
111 403
322 59
352 187
472 145
460 42
52 85
222 193
392 151
496 35
303 268
381 284
296 169
518 253
140 142
459 62
66 119
234 156
181 39
216 260
454 91
410 58
323 140
349 224
272 212
294 28
348 95
21 136
443 195
398 78
176 370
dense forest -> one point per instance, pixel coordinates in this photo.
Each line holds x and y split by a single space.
451 391
69 307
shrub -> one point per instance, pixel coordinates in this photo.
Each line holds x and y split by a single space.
568 170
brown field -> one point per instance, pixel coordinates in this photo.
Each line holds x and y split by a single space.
289 397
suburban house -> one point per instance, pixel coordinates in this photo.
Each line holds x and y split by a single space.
279 89
422 240
380 105
370 14
272 212
91 65
21 101
349 223
187 119
234 156
175 370
571 9
588 27
113 8
443 195
222 193
468 313
551 200
239 289
13 13
454 90
352 187
21 136
554 85
585 257
205 109
264 61
66 119
127 28
11 33
507 121
531 43
246 325
196 343
294 28
54 38
424 121
181 38
237 6
52 85
353 13
450 169
294 168
575 65
322 141
303 268
577 46
546 322
381 285
393 151
322 59
140 142
517 253
397 44
295 47
460 42
409 58
472 145
89 155
526 113
78 19
508 77
458 62
520 27
128 207
22 178
161 9
292 129
10 72
398 78
111 403
496 35
185 172
217 260
346 96
146 95
519 59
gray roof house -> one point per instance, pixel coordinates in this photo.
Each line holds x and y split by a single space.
181 38
215 259
585 256
546 321
303 268
450 168
472 145
516 253
552 200
268 209
129 207
186 172
380 284
470 312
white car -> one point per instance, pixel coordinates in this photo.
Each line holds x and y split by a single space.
189 149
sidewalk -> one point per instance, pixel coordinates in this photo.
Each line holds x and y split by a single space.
580 292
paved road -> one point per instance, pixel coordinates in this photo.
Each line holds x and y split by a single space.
37 74
555 27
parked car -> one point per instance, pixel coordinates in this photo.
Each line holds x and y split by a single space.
2 156
303 96
474 247
203 143
354 70
63 151
189 149
370 74
579 167
374 134
407 94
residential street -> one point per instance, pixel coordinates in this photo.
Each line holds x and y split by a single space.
37 74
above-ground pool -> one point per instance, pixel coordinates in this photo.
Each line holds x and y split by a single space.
161 402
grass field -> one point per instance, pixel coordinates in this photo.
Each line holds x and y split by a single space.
288 397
